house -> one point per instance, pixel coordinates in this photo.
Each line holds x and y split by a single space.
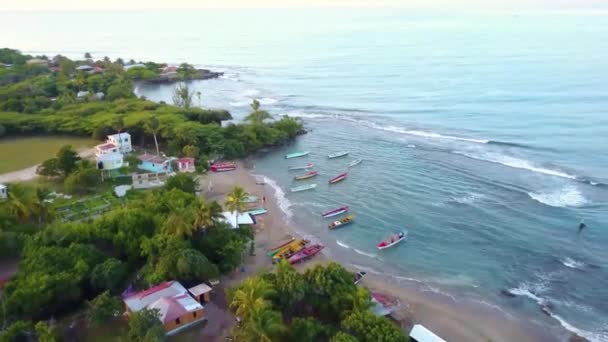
201 292
110 161
152 163
243 218
37 61
55 68
131 66
100 95
168 68
122 140
3 191
6 65
85 68
421 334
98 69
107 148
186 164
177 308
150 180
81 95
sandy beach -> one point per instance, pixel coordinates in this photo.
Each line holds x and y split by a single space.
449 319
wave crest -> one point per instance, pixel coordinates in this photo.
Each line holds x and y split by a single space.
569 196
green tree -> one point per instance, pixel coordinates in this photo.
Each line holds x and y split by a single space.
42 207
343 337
180 221
184 264
18 331
330 291
2 131
206 214
186 71
190 151
367 327
235 201
45 333
182 96
120 89
104 308
109 275
87 55
83 180
152 126
49 168
118 124
67 159
264 325
257 115
251 297
145 325
290 287
181 181
308 329
21 202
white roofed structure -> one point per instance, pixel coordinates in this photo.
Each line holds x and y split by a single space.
231 219
421 334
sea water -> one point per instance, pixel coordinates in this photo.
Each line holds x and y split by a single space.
483 134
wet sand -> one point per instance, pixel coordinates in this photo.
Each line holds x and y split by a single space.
453 321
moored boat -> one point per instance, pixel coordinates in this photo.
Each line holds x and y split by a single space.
296 154
305 254
301 167
392 240
256 211
338 154
335 212
307 176
272 251
355 162
250 199
341 222
359 276
303 187
290 249
222 167
338 178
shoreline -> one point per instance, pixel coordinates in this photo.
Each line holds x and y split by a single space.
453 320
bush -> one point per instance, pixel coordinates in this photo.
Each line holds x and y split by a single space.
181 181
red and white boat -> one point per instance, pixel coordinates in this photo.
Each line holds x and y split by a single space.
335 212
222 167
392 240
305 254
338 178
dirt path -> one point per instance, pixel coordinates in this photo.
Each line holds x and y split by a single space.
30 172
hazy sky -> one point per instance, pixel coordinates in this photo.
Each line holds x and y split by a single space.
155 4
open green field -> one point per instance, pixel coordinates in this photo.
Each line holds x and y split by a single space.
20 153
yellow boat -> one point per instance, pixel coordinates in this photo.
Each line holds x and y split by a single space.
290 249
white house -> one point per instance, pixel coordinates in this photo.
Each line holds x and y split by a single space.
110 161
122 140
421 334
3 191
231 219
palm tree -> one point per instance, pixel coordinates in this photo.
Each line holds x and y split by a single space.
41 206
206 213
264 325
22 202
180 222
257 115
152 126
118 124
251 297
235 201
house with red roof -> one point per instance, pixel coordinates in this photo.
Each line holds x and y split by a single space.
185 164
154 163
177 307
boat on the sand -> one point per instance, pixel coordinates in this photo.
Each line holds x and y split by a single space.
296 154
338 178
392 240
301 167
272 251
289 250
305 254
355 162
338 154
250 199
222 166
307 176
341 222
335 212
256 211
359 276
303 187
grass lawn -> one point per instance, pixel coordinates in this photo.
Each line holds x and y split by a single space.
20 153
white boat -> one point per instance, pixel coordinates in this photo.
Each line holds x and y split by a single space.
302 167
256 211
303 187
338 154
392 240
297 154
355 162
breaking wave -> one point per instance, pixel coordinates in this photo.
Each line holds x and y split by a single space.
569 196
469 198
344 245
569 262
279 194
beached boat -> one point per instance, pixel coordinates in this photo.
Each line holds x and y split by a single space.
222 167
338 178
301 167
392 240
276 249
303 187
296 154
289 250
250 199
359 276
256 211
335 212
306 176
341 222
355 162
338 154
305 254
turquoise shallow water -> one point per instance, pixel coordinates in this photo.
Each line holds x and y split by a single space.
483 134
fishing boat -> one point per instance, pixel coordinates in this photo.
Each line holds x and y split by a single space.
301 167
305 254
392 240
250 199
222 167
275 249
307 176
355 162
335 212
338 178
290 249
341 222
303 187
296 154
256 211
359 276
338 154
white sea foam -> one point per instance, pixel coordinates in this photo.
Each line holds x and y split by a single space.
569 196
267 101
515 163
251 92
411 146
279 194
591 336
469 198
530 290
371 255
342 244
569 262
230 77
239 103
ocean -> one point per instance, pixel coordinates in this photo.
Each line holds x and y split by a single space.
483 134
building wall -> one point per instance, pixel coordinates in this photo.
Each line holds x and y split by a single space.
185 319
153 167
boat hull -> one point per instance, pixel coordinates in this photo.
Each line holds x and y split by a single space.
306 176
335 212
355 163
338 178
338 155
294 168
305 254
342 222
290 249
276 249
303 188
384 245
296 155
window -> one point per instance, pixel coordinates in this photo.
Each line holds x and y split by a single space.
194 314
177 321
